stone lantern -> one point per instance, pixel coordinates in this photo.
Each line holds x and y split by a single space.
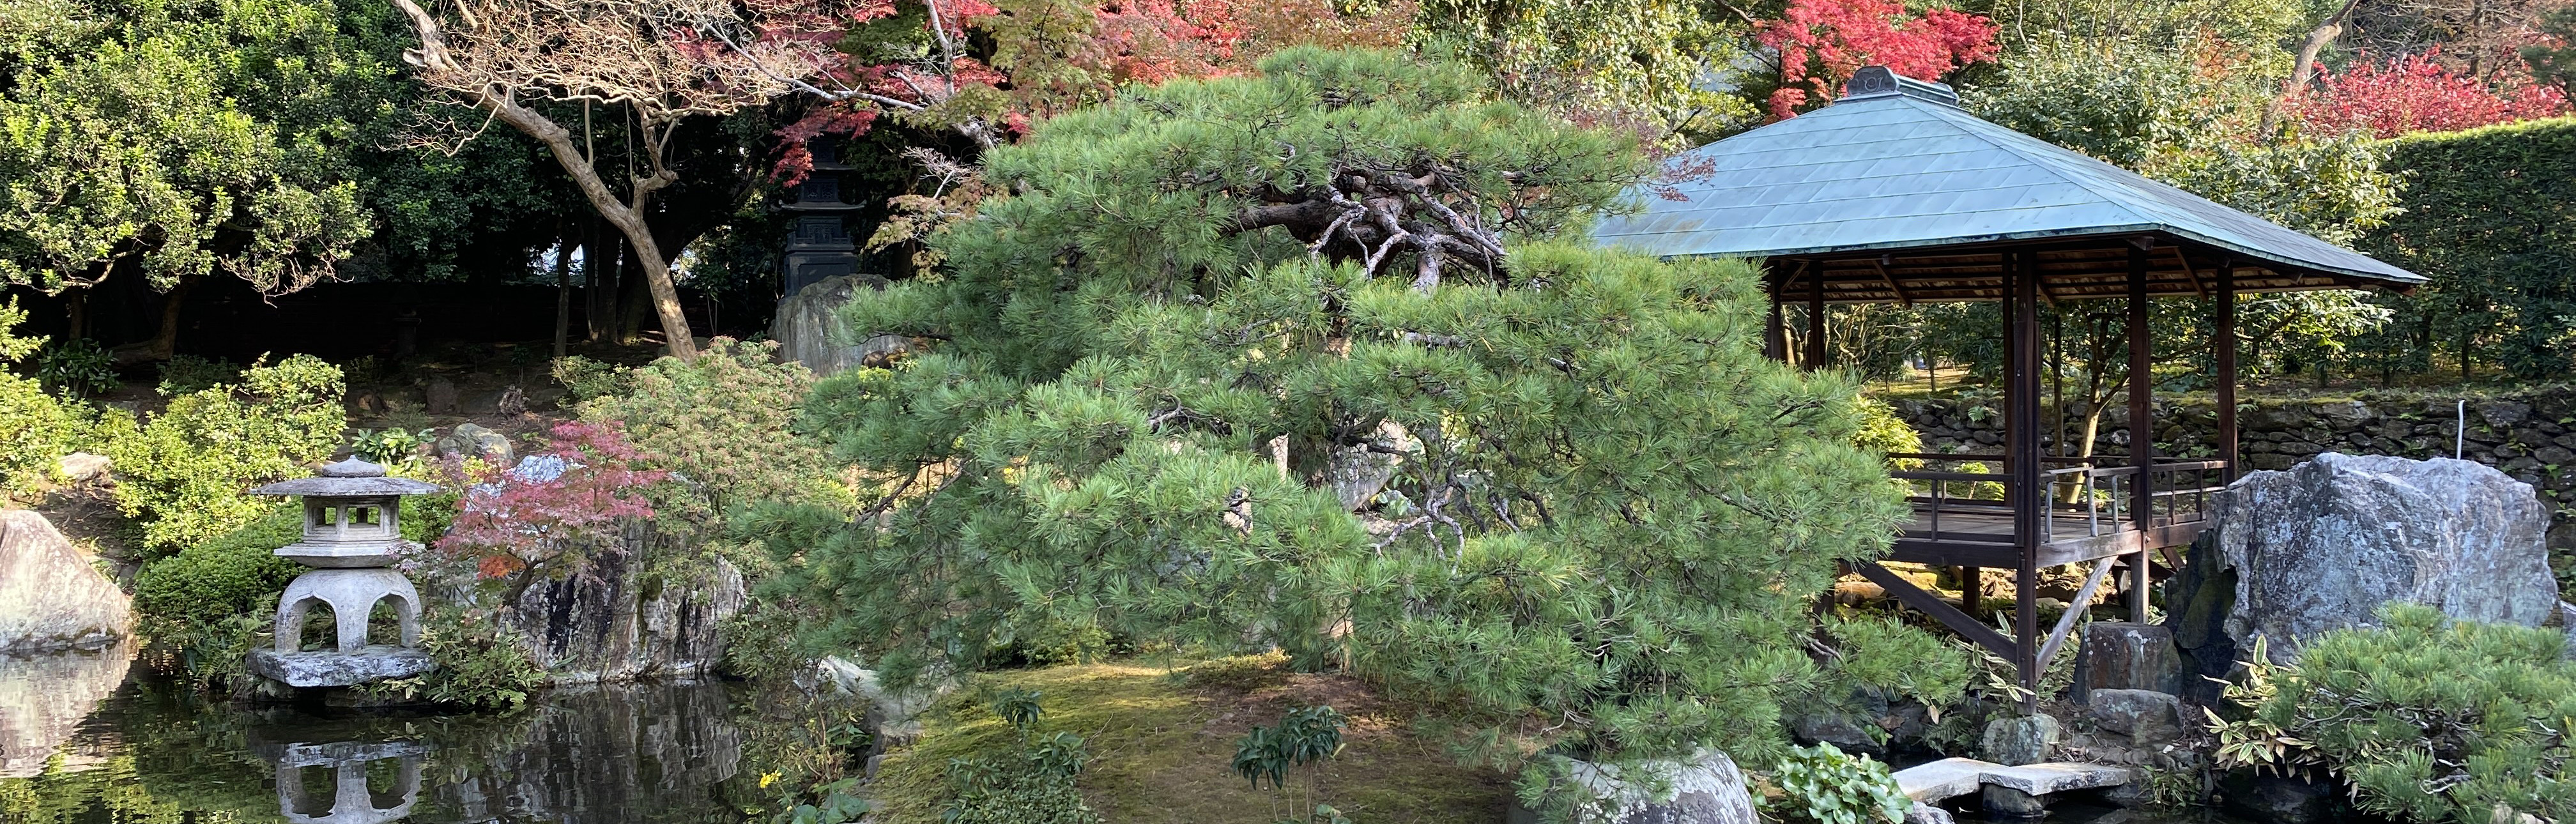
352 537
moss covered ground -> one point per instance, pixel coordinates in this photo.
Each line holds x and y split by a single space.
1162 745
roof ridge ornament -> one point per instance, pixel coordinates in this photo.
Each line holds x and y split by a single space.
1880 81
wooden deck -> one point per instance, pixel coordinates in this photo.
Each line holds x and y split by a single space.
2100 518
1983 537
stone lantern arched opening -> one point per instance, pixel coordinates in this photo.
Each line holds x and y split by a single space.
352 538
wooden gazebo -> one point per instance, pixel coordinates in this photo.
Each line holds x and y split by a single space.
1894 194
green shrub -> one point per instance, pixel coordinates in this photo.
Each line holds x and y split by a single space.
185 470
184 374
1304 737
584 379
79 368
1825 785
1033 784
734 409
390 446
482 663
35 428
1881 431
2429 719
213 655
228 574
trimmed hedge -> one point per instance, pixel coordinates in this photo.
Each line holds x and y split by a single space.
2490 217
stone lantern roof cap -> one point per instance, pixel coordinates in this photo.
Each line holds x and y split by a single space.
352 478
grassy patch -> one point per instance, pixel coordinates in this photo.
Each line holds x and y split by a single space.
1162 745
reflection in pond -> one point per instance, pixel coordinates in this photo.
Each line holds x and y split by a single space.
353 798
150 752
43 699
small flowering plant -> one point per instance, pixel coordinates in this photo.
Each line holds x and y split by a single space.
546 514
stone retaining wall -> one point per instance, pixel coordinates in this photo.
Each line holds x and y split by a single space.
2530 435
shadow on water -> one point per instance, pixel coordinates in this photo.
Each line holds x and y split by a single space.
89 739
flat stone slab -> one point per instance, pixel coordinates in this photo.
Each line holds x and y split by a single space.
1944 779
375 662
2057 777
1953 777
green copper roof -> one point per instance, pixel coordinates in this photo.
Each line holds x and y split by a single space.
1896 164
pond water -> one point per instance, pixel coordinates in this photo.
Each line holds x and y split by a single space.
95 739
90 738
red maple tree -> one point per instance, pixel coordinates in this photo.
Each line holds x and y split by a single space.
2416 93
550 511
989 72
1822 42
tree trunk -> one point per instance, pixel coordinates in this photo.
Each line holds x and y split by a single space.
634 300
77 306
598 262
628 216
2304 67
563 294
164 343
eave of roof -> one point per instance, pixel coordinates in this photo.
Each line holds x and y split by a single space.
1903 170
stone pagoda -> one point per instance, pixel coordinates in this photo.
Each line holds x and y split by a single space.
352 537
820 245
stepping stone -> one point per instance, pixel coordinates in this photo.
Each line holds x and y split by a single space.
2057 777
1944 779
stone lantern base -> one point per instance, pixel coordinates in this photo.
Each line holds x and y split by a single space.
327 668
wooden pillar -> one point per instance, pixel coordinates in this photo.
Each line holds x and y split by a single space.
1775 332
1815 322
2226 356
1972 596
2142 426
2022 457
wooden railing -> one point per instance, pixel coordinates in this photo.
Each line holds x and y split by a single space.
2085 496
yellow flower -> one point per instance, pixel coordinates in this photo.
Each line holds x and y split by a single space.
767 779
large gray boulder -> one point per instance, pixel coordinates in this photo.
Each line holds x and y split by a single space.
2118 655
471 440
2323 544
2148 717
809 331
51 598
1707 789
2018 740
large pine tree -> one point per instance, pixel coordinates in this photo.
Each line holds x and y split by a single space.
1320 359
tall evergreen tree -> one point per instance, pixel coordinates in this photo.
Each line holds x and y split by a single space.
1319 359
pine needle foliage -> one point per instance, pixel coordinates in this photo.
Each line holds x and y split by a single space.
2428 719
1559 492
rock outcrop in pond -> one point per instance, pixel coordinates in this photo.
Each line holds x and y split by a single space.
2320 546
54 598
622 619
